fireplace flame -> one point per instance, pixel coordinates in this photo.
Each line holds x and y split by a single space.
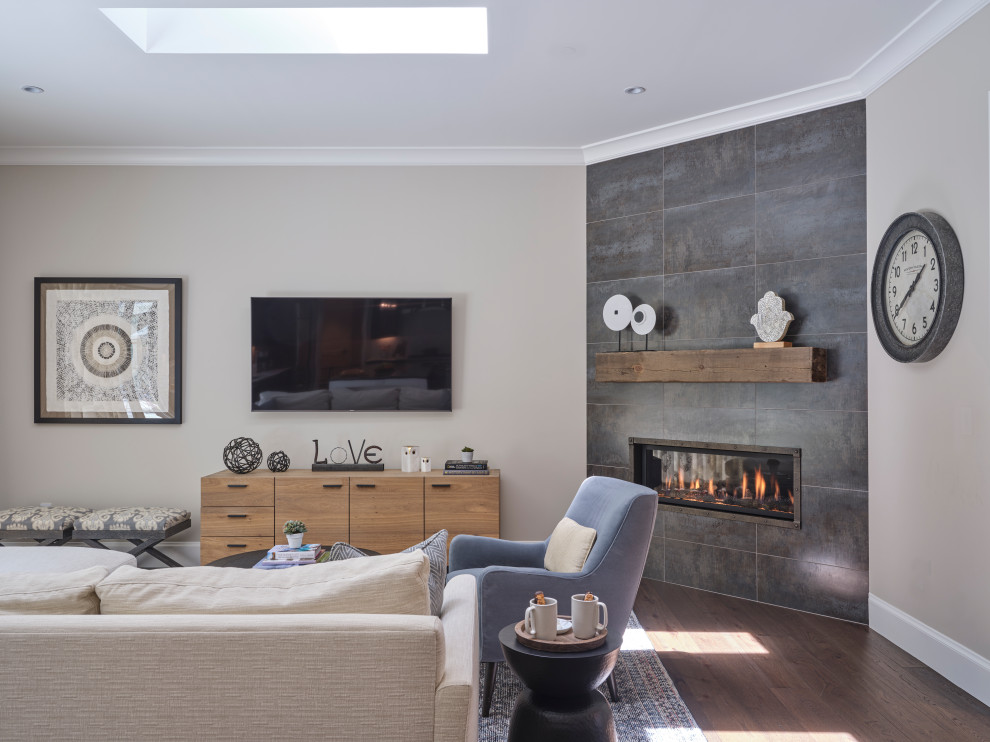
680 479
711 487
760 484
745 484
776 489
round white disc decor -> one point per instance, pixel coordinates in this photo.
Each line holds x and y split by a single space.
644 319
617 312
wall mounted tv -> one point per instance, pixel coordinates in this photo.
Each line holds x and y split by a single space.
350 354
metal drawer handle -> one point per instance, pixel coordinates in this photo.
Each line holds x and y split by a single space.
237 486
443 486
237 515
332 486
236 546
366 485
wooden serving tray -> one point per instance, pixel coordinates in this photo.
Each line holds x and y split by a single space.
565 642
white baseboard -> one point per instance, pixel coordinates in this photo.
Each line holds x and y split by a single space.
949 658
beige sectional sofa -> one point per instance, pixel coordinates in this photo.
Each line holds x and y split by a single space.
219 674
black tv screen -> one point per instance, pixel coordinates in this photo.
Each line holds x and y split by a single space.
350 354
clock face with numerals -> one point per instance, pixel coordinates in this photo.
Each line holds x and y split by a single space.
917 287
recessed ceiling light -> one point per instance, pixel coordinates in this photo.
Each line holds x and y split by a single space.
304 30
635 90
32 89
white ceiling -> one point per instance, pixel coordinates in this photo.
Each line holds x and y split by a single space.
549 91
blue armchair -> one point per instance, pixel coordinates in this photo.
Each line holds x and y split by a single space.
508 573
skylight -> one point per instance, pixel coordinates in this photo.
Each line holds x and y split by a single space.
304 30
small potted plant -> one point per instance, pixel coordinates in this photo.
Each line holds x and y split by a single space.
467 454
294 530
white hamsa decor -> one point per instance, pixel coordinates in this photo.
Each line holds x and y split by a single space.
771 321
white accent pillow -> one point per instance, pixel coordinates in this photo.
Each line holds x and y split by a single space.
68 593
392 583
570 544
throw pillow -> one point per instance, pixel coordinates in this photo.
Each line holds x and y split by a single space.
365 399
70 593
392 583
435 548
570 544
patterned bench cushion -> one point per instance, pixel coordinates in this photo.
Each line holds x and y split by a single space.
130 519
37 518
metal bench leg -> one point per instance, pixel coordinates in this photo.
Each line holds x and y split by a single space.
148 547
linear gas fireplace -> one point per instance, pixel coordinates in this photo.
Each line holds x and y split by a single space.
754 483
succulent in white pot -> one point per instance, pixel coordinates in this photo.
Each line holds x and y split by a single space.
294 530
467 454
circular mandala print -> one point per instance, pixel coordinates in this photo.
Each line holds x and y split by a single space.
106 351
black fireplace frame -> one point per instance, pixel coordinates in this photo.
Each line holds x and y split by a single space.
635 467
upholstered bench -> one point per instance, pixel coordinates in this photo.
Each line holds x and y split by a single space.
145 527
49 525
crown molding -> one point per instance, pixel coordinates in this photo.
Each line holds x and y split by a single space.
925 31
291 156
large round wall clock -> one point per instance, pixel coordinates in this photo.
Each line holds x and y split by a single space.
917 289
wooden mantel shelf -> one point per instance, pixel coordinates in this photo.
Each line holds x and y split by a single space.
793 365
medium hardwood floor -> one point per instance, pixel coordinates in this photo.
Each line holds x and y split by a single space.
751 672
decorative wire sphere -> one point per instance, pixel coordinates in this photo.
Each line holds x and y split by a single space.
242 455
278 461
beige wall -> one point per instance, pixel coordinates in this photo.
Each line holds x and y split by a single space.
927 148
506 242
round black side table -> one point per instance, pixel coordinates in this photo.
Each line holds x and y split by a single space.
560 702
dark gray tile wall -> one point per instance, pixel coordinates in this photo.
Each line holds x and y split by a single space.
701 230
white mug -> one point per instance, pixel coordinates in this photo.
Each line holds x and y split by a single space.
584 616
425 465
541 620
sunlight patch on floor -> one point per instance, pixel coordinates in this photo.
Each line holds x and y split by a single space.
705 642
779 737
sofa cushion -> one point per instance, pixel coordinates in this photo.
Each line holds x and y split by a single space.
435 548
61 558
70 593
392 583
570 544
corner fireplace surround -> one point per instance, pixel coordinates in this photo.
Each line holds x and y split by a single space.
725 480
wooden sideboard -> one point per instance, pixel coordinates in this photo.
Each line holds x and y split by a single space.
384 511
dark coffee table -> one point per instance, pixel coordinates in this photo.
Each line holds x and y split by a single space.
247 559
560 702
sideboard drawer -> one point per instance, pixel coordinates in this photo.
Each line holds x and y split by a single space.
212 548
242 490
386 486
238 521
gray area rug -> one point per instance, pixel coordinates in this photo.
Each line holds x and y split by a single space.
649 709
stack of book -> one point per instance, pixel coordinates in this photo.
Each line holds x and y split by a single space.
455 466
283 555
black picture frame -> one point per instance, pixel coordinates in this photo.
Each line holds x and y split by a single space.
108 350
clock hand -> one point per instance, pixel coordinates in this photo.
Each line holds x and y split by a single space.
910 290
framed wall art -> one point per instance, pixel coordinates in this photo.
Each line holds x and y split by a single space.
108 350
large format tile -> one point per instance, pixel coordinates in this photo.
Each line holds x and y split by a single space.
817 588
625 248
653 570
691 394
624 186
611 426
825 296
616 472
725 571
846 388
833 530
711 304
709 169
820 145
717 234
709 425
614 392
819 220
703 529
833 444
648 290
